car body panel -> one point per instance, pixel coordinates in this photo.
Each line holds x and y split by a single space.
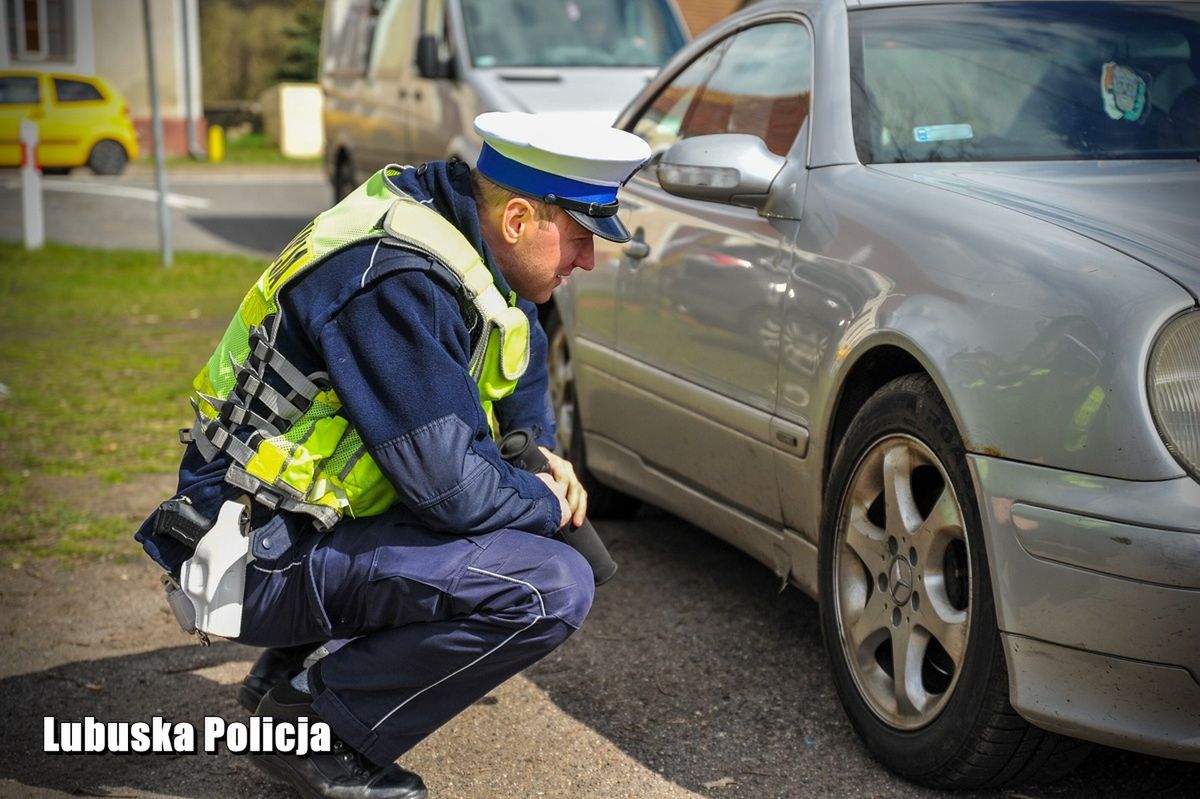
1030 292
67 130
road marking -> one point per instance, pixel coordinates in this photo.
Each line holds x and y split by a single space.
181 201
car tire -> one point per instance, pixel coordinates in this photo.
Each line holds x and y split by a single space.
603 501
904 580
108 157
343 178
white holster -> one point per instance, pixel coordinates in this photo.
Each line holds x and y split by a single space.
214 578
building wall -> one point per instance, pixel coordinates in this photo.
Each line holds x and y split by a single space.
703 14
121 53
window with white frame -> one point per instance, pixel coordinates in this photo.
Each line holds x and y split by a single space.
40 30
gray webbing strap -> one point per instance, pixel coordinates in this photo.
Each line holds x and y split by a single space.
273 498
212 439
251 386
296 380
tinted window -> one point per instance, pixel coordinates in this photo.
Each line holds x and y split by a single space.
1026 81
75 91
661 124
18 90
570 33
762 87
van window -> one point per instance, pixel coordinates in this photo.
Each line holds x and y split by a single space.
348 39
570 33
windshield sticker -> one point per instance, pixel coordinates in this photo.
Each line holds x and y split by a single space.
1126 92
943 133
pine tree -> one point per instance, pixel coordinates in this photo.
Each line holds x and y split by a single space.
300 60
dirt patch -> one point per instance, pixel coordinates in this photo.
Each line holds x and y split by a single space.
132 501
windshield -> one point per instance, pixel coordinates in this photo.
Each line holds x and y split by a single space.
570 33
1026 81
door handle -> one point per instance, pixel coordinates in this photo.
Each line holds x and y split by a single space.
402 93
417 94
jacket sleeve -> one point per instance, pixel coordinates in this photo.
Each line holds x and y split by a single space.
397 354
529 406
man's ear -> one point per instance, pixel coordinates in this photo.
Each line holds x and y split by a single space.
517 215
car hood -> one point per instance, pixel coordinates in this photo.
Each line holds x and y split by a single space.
1145 209
595 93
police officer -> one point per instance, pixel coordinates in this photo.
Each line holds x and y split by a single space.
353 404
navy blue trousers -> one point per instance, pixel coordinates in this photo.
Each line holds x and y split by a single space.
435 620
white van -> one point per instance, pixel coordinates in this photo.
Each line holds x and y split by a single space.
403 79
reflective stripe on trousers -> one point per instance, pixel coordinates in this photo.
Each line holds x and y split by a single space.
436 620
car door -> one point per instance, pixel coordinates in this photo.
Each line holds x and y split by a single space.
702 284
388 91
75 116
21 97
433 119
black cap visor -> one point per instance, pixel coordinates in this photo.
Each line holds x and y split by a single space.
606 227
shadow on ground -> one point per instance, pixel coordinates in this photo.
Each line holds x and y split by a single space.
133 687
265 234
692 663
704 670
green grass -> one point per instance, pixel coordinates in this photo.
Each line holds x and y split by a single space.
97 353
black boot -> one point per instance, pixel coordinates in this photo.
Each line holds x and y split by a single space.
272 667
341 773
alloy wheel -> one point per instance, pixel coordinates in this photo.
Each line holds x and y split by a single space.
562 386
902 580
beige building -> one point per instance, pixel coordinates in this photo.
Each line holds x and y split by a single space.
107 38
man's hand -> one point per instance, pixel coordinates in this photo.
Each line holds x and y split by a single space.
560 492
564 474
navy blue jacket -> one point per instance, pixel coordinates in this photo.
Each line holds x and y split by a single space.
388 327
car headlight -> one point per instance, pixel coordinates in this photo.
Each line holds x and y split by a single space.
1175 389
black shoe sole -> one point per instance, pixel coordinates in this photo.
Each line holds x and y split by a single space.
249 698
276 766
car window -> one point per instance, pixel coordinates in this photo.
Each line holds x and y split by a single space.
1026 81
75 91
762 86
19 90
661 123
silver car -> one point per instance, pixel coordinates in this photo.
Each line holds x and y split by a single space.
910 316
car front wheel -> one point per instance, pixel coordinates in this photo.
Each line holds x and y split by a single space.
343 178
602 500
108 158
907 612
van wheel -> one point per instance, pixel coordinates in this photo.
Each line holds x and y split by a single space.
343 178
108 158
603 502
907 612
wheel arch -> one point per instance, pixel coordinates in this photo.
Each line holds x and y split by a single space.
873 366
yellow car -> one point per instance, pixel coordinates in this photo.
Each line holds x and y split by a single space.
82 120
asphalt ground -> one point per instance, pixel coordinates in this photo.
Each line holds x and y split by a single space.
693 676
235 209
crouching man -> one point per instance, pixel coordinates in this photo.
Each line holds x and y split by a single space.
353 407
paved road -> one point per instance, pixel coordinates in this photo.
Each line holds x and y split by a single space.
253 211
693 677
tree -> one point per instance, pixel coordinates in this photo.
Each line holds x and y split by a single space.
301 57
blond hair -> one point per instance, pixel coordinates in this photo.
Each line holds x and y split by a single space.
491 196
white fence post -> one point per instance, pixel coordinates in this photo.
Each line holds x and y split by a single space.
31 187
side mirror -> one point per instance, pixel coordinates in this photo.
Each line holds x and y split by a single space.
429 62
734 168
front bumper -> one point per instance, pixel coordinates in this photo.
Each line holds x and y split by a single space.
1097 588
